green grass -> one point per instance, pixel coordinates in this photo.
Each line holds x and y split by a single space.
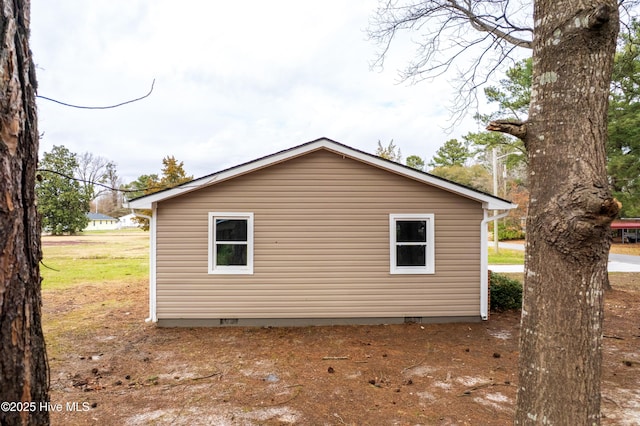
94 258
506 257
70 272
99 257
88 281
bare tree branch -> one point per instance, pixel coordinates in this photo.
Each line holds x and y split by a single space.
627 15
483 23
513 128
473 38
91 168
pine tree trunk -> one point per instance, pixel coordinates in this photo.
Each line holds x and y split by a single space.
570 210
23 365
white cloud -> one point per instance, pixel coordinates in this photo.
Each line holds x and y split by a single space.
234 81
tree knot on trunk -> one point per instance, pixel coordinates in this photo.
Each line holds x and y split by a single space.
609 209
598 17
511 127
586 24
577 224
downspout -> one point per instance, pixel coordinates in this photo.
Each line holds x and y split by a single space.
484 261
152 265
152 262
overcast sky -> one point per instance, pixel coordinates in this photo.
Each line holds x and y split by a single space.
233 81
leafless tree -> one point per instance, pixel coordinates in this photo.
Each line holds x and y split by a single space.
92 169
573 43
114 182
448 33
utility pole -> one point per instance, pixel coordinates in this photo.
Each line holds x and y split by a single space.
494 172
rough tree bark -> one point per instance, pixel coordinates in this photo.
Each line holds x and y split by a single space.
570 211
23 365
571 207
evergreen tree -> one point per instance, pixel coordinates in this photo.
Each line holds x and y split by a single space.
514 93
452 153
415 162
513 96
62 201
623 145
145 184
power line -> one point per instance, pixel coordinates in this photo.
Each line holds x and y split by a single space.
110 188
100 107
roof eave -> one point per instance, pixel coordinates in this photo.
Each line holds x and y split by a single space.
499 205
489 202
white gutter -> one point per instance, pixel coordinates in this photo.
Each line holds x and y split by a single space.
136 214
484 262
152 261
152 266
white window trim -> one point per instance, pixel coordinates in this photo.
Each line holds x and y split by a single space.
429 268
230 269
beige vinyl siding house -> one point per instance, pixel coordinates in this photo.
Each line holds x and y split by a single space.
318 234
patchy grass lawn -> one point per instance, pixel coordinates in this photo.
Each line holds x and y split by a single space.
506 257
128 372
94 257
516 257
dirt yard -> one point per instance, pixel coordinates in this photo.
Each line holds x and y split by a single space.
109 367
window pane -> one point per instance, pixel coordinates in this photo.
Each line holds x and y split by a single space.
410 231
231 230
231 254
411 255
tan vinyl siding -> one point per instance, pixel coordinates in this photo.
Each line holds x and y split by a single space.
321 232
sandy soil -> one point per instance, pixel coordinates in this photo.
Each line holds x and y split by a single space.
109 367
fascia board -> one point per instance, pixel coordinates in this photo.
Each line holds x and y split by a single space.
492 203
488 201
147 201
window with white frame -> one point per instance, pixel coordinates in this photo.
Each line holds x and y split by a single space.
411 243
230 243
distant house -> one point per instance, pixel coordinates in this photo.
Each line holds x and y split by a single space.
101 222
626 230
127 221
318 234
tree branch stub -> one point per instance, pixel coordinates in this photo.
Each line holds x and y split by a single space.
513 128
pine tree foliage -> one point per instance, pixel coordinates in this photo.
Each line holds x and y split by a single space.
415 162
623 146
452 153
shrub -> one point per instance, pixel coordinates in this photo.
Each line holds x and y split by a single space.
509 232
506 293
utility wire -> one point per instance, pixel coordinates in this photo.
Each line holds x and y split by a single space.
100 107
110 188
